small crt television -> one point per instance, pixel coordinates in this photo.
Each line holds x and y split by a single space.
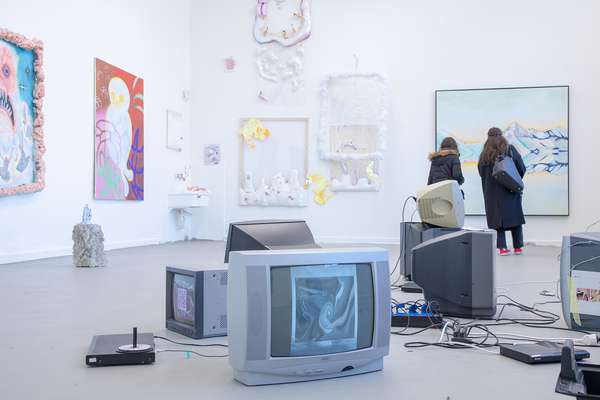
196 302
298 315
442 204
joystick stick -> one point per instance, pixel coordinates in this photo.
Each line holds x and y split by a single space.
134 347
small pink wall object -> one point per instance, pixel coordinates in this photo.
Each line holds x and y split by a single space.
229 64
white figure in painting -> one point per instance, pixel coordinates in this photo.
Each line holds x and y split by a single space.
119 143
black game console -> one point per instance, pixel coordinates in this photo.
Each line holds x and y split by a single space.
538 353
108 350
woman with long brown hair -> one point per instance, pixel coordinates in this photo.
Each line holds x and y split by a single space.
503 208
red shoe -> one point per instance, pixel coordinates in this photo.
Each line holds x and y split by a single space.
518 251
504 252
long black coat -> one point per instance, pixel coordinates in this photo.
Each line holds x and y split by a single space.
445 165
503 208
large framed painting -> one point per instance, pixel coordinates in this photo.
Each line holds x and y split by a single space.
21 118
534 119
119 134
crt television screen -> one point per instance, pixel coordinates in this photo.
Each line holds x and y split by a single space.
321 309
183 299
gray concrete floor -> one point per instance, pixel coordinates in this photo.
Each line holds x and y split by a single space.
50 311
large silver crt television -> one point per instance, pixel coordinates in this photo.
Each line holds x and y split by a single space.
307 314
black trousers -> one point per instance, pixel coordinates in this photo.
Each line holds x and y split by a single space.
517 236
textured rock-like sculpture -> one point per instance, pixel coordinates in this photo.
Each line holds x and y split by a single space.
88 246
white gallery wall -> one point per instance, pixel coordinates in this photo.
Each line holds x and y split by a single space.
180 45
149 38
420 47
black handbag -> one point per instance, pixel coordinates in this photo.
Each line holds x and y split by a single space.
506 173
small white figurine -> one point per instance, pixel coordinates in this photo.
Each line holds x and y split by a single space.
264 193
281 188
86 217
248 192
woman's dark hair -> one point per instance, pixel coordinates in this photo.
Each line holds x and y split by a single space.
449 144
495 145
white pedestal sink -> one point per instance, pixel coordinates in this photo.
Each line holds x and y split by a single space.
183 202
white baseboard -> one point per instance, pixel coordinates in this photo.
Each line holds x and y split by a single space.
67 251
358 240
396 240
548 243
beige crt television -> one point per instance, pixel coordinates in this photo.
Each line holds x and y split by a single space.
442 204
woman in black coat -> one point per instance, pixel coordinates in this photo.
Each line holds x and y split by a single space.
503 208
445 164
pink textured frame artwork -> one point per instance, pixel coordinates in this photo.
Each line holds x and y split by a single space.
21 118
286 22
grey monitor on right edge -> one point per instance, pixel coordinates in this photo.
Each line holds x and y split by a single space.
580 280
457 273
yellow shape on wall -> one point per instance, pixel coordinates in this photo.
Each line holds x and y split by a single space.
253 129
320 188
373 177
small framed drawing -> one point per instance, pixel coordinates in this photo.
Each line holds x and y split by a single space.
212 154
175 130
22 146
353 117
286 22
273 161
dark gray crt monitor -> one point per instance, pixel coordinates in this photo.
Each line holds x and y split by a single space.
196 301
273 234
457 273
580 280
413 234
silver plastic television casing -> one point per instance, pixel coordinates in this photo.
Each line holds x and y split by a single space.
442 204
249 317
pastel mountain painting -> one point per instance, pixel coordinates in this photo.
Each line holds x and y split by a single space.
534 120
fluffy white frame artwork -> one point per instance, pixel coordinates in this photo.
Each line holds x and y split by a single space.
273 170
286 22
352 132
351 103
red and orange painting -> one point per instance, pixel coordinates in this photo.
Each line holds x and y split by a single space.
119 134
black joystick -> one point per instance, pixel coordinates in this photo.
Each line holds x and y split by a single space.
134 347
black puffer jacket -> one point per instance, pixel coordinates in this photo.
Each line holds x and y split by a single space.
445 165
